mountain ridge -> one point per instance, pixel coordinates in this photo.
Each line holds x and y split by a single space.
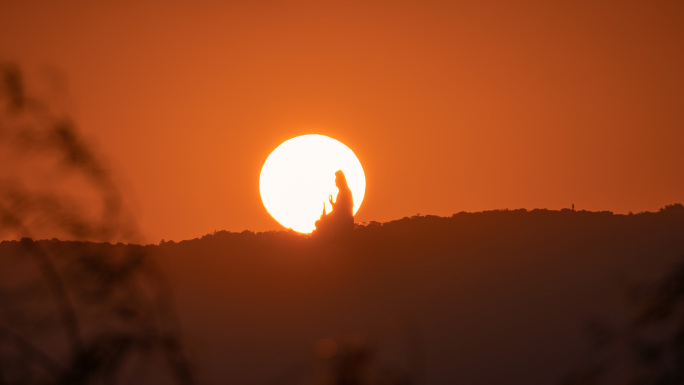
427 299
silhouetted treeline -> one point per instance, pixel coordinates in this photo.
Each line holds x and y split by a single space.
421 300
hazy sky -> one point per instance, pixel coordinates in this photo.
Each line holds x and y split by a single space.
449 106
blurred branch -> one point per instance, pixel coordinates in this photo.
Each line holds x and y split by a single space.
30 352
59 293
52 278
122 297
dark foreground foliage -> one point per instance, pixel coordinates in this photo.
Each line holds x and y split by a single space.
73 313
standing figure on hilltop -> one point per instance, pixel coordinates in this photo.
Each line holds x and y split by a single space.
341 218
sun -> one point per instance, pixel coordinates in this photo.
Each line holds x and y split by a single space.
299 175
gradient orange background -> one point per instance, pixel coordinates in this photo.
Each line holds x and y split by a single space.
450 106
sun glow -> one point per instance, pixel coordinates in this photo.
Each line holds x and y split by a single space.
299 175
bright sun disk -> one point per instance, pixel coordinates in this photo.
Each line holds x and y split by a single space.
298 176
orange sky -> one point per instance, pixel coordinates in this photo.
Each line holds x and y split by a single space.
449 106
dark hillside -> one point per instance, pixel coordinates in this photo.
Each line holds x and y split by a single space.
478 298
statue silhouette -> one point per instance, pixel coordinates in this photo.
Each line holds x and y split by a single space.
341 218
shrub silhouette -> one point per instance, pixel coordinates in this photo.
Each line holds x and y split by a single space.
650 349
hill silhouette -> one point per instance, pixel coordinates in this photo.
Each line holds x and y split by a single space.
506 296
